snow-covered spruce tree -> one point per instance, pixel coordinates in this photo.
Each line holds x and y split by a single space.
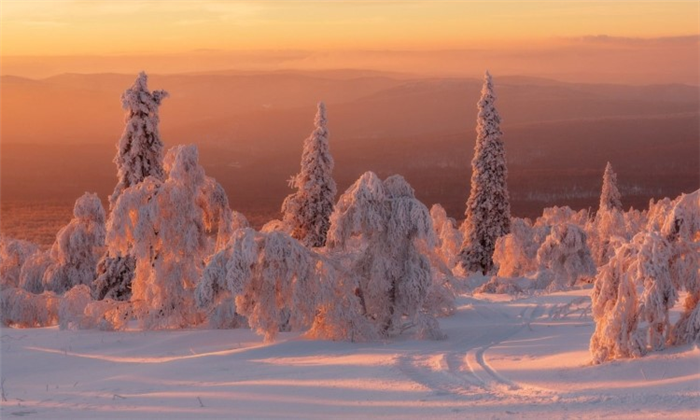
266 274
78 247
609 221
140 149
567 255
488 206
13 254
381 224
139 155
307 211
610 195
162 226
615 312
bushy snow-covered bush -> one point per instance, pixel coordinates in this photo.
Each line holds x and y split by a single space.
24 309
615 311
13 254
78 247
308 210
449 238
381 223
566 254
267 274
488 206
162 225
515 254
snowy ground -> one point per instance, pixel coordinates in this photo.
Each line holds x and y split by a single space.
504 359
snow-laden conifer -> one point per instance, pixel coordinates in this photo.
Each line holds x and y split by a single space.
307 211
78 247
488 206
609 221
139 155
140 148
610 195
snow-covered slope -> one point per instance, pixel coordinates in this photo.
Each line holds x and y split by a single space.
504 358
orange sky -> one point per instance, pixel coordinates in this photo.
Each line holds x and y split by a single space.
55 27
638 42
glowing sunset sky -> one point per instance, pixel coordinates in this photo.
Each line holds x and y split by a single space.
127 27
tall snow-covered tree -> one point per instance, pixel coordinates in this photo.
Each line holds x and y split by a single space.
139 155
308 210
140 149
609 222
381 223
488 206
163 226
610 195
78 246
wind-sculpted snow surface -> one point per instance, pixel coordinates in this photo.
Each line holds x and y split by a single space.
503 358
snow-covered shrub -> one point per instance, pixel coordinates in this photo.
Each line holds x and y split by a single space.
615 312
162 225
381 224
566 254
267 274
27 310
13 254
307 211
448 236
557 215
651 266
31 277
77 310
488 206
78 247
515 254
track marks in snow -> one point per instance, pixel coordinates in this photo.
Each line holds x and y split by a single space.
464 370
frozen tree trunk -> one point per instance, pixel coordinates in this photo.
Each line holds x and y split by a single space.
488 206
308 210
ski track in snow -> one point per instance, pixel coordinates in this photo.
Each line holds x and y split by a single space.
464 370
